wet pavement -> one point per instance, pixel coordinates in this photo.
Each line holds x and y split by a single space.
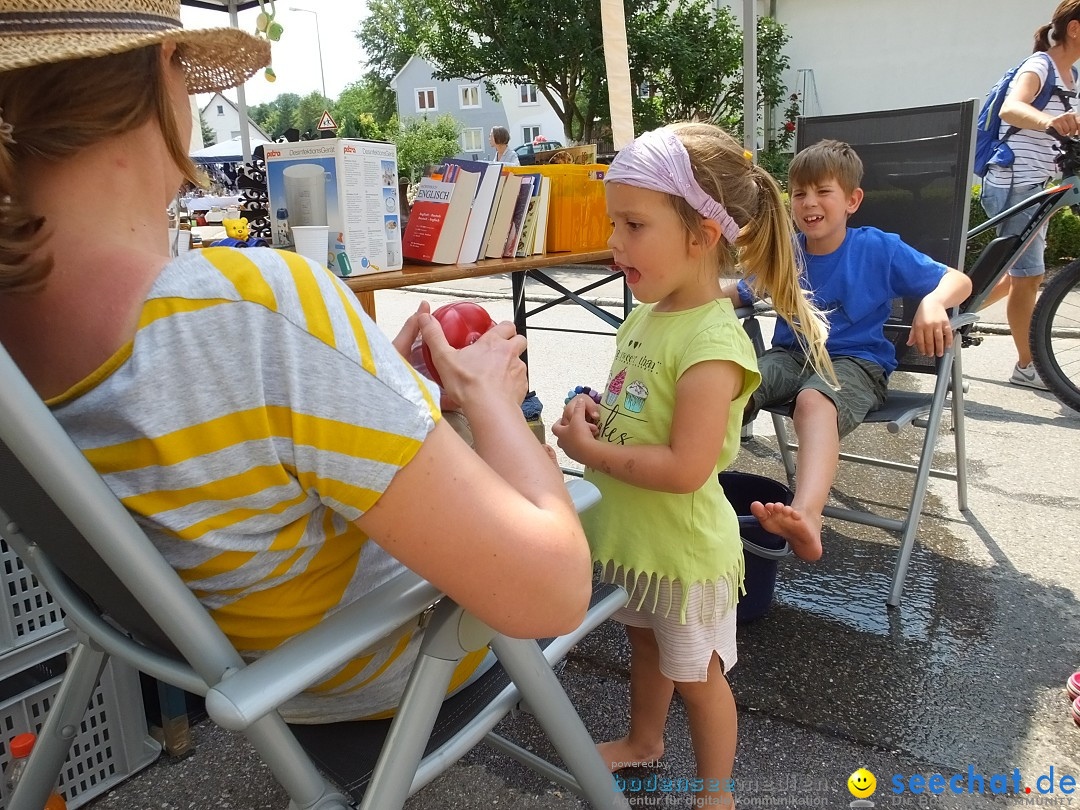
965 678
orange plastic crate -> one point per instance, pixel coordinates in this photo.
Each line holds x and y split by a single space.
577 216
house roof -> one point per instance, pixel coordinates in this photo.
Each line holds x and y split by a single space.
214 100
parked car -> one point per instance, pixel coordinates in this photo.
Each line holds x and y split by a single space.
527 152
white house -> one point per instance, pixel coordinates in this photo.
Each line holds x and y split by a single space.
520 108
223 117
860 55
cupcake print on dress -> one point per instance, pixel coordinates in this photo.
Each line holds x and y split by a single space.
615 387
636 393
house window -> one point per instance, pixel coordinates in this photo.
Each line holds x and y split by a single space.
472 140
425 100
220 109
470 96
528 134
528 93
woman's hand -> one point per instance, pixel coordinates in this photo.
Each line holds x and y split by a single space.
1066 124
489 369
577 430
409 330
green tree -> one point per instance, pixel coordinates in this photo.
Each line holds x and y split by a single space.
422 142
308 114
357 112
683 85
209 137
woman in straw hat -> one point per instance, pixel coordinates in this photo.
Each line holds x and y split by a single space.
240 402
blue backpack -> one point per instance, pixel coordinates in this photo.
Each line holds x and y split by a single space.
989 148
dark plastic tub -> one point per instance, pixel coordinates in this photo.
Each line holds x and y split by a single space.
761 549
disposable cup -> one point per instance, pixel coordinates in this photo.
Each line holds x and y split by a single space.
312 241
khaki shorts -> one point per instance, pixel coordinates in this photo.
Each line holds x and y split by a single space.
784 373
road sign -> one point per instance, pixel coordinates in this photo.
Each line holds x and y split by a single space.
327 122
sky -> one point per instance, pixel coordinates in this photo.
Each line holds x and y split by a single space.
296 54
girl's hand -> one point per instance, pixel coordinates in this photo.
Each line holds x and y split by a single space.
576 432
409 330
592 411
490 369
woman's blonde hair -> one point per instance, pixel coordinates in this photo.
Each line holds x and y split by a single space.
57 110
766 248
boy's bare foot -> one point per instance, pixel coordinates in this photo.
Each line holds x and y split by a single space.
803 532
619 754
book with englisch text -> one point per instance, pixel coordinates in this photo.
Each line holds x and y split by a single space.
500 225
472 244
439 217
521 206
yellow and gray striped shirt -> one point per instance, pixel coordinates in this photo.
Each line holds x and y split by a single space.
256 413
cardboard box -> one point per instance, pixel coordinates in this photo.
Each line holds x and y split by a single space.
349 185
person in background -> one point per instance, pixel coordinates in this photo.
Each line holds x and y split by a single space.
274 445
1034 149
500 140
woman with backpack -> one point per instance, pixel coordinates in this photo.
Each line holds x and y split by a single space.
1025 126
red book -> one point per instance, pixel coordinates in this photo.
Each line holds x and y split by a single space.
438 218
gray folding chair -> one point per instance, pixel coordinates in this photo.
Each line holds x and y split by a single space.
917 177
122 599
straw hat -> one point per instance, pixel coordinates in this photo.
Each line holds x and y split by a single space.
38 32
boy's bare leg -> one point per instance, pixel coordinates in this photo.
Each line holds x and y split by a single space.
815 469
650 697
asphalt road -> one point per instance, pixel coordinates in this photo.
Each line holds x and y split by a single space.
965 678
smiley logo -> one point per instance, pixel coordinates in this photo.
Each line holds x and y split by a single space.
862 784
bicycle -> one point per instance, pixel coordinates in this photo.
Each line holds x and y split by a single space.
1055 324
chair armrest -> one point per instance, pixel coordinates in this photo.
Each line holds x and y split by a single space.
958 322
262 686
244 696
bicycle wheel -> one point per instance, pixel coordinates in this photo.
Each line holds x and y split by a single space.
1055 335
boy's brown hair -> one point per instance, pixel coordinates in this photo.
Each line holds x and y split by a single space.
826 160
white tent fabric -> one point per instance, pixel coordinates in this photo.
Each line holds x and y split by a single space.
224 152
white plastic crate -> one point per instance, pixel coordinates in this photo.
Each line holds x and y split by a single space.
112 742
29 612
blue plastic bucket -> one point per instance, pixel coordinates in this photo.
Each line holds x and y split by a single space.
761 549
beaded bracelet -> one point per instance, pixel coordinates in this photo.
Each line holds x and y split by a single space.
582 389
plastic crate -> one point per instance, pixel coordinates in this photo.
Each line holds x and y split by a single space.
29 612
112 742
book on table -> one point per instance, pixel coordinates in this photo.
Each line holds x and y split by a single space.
472 244
542 206
521 207
528 225
500 225
440 216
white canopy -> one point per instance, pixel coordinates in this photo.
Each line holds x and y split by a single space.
224 152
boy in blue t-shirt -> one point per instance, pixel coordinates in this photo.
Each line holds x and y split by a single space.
854 274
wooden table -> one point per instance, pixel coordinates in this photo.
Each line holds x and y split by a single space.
412 274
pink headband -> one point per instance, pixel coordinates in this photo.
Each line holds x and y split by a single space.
657 160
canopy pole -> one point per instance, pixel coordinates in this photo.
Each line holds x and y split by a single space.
617 62
750 77
241 97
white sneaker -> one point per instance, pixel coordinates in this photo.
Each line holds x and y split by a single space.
1027 377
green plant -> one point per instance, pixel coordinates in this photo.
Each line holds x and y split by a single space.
422 142
776 162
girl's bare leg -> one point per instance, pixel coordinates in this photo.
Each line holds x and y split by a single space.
650 697
714 726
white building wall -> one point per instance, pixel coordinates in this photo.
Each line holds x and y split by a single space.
884 54
226 123
519 116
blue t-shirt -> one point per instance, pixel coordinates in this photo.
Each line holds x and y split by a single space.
855 286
